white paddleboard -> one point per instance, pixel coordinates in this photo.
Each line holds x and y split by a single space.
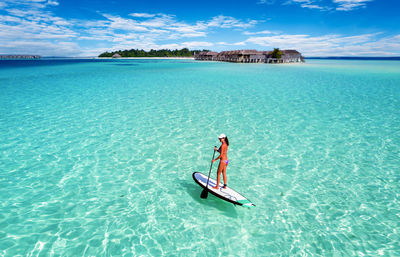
227 194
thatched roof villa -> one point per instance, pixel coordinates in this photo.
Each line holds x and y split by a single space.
116 56
207 56
291 56
250 56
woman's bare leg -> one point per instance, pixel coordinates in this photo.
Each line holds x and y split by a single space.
218 175
224 174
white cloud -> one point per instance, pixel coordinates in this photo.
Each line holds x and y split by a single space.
37 30
8 18
190 45
117 22
242 43
165 26
348 5
160 27
39 4
300 1
41 48
37 15
163 20
222 21
26 13
40 27
33 22
310 4
266 2
142 15
54 3
29 27
258 32
339 5
332 45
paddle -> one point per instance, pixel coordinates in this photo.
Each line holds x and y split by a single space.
204 193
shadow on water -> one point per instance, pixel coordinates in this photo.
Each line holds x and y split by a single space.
228 209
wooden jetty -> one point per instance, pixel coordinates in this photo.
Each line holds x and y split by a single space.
19 56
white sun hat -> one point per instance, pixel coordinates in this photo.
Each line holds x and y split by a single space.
222 136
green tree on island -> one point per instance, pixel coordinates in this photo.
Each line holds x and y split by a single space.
276 53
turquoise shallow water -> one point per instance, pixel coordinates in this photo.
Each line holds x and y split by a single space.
97 158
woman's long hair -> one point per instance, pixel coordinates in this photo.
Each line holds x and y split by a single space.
227 141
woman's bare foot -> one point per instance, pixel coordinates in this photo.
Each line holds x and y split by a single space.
215 187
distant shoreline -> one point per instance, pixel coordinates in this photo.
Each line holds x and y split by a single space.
18 56
394 58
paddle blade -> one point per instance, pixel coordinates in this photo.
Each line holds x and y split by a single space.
204 193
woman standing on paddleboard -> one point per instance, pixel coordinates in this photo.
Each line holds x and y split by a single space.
223 157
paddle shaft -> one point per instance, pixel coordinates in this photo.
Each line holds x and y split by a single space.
209 173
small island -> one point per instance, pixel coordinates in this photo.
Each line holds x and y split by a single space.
184 52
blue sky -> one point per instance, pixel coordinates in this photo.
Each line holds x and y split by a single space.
89 27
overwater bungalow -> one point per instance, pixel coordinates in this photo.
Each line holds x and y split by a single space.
206 56
251 56
288 56
243 56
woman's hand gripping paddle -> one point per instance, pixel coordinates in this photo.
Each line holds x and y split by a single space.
204 193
